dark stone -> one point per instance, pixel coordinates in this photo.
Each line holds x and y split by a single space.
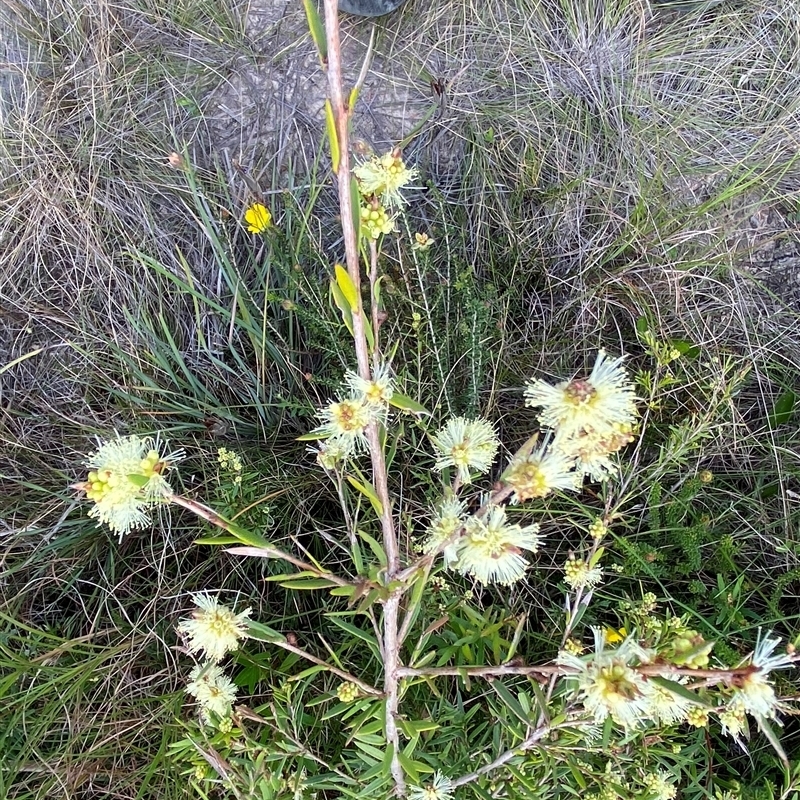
369 8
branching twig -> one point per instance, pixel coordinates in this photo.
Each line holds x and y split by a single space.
535 736
344 674
390 642
211 516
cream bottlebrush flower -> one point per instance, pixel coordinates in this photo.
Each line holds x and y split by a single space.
608 684
465 444
125 479
449 518
384 177
214 628
331 453
540 473
579 575
668 708
440 788
592 405
734 722
491 550
590 451
375 392
753 693
213 690
347 422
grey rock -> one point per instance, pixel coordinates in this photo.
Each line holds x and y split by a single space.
369 8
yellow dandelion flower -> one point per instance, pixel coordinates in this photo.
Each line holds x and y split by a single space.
214 628
258 218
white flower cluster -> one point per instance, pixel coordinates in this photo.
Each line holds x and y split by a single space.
215 631
591 419
126 478
610 682
485 546
345 421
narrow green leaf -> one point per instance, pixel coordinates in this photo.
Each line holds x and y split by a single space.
375 546
138 480
409 766
369 750
217 540
307 584
355 206
345 283
368 491
357 632
680 690
263 633
247 537
407 404
772 737
312 436
783 409
333 137
343 306
511 702
368 333
317 29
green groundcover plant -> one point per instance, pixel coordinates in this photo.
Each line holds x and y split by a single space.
431 696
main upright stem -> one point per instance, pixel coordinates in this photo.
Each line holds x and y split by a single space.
391 609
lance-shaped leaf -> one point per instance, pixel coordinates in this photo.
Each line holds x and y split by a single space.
317 29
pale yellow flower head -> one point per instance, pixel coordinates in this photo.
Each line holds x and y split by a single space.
466 444
214 629
422 242
540 473
214 691
125 479
608 685
376 392
579 575
448 520
659 786
753 693
346 421
440 788
383 177
591 452
603 404
258 218
491 549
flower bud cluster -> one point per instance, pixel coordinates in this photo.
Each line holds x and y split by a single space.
126 479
